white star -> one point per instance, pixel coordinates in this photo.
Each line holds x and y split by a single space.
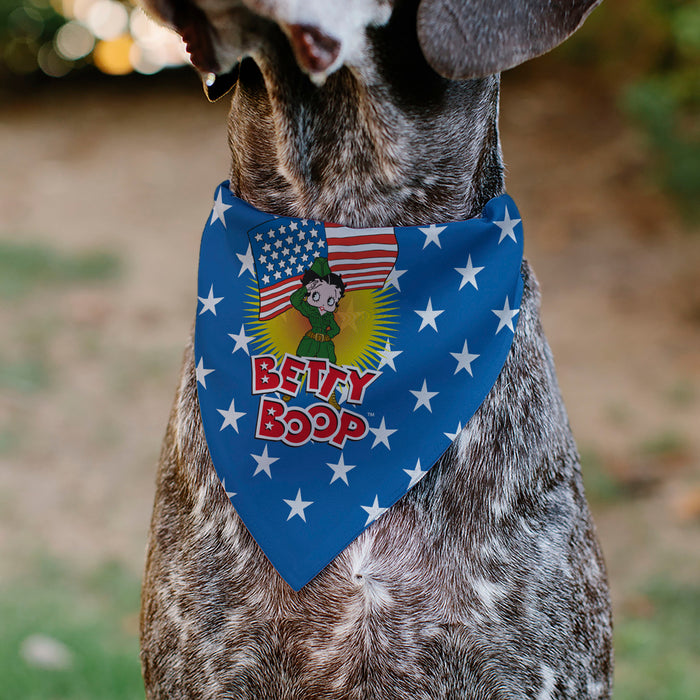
505 317
469 274
387 356
423 397
230 494
202 373
231 416
507 226
247 262
264 461
297 506
393 278
219 209
341 469
373 511
416 474
242 340
381 434
453 436
428 316
431 234
464 359
209 303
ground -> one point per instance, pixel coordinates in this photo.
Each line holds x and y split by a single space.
105 192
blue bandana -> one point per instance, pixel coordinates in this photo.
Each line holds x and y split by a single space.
336 365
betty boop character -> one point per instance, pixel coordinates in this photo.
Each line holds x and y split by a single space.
317 299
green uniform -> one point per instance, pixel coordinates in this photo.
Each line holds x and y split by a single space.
317 342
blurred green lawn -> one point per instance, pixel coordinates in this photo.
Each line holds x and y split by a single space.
95 617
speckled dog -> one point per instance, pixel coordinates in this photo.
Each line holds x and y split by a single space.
486 580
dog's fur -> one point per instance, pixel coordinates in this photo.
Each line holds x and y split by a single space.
486 580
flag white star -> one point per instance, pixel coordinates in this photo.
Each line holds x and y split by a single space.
432 234
247 262
469 273
464 359
423 397
505 317
264 461
219 210
387 356
373 511
453 436
507 226
382 434
242 340
231 416
416 474
393 278
230 494
340 470
429 315
209 303
297 506
202 373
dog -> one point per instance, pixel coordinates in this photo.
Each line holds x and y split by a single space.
486 580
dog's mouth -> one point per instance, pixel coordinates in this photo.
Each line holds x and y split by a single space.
315 51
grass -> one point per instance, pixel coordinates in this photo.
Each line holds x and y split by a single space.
658 651
602 487
95 618
664 445
27 266
25 375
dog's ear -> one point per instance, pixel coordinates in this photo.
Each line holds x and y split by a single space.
190 22
472 38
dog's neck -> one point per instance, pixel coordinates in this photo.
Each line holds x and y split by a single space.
388 143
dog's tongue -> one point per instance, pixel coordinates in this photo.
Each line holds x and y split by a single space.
314 50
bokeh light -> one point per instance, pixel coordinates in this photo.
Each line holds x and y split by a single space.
58 36
74 40
112 55
107 19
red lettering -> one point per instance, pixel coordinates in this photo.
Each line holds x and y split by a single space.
265 378
359 383
333 376
352 427
290 369
269 425
298 427
317 369
325 422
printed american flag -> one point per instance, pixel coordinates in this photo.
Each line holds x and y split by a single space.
283 249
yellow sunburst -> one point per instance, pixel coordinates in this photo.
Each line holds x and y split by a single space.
367 319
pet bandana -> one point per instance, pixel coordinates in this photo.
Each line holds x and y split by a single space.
336 365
